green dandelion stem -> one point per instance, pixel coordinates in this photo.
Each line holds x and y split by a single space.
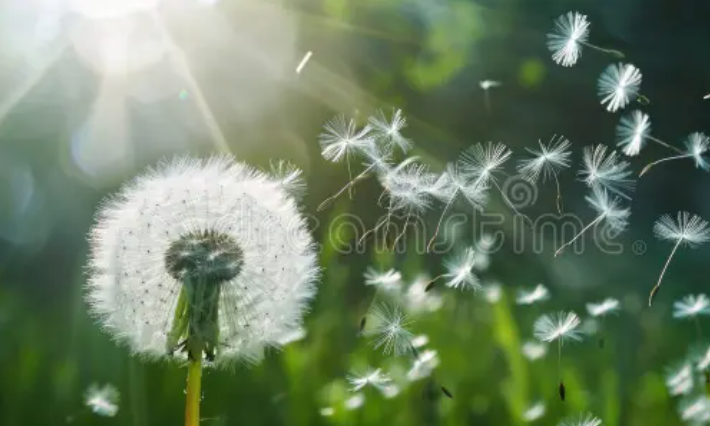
193 393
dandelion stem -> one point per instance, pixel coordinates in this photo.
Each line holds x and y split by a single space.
559 193
568 243
612 52
350 176
350 184
660 142
675 157
438 225
192 399
401 234
663 272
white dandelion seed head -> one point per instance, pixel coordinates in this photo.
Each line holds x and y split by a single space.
341 139
459 270
689 229
548 162
354 402
423 366
102 400
291 336
570 31
390 280
617 83
582 420
530 297
679 378
418 299
534 350
691 306
489 84
217 226
697 146
534 412
632 131
372 377
481 162
387 132
695 409
610 208
559 325
290 177
600 170
603 308
390 330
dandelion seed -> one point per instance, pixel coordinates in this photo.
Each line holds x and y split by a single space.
390 330
700 355
354 402
303 62
583 420
633 131
695 409
548 162
202 260
388 132
696 147
687 229
450 186
608 209
560 327
390 280
534 412
618 83
569 34
341 139
691 306
373 377
534 350
447 393
460 271
706 96
327 411
530 297
492 292
486 85
679 378
102 400
423 365
606 171
390 391
418 299
603 308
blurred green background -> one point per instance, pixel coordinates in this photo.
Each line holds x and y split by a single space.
75 122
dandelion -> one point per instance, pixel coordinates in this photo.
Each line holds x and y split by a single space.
560 327
388 132
486 85
696 147
608 209
570 33
390 330
691 306
695 409
606 171
459 271
289 176
390 391
342 140
492 292
530 297
423 366
534 350
700 355
603 308
102 400
450 186
548 162
419 341
372 377
534 412
203 260
679 378
354 402
390 280
633 131
618 83
582 420
687 229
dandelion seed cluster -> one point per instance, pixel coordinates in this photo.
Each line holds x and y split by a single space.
217 229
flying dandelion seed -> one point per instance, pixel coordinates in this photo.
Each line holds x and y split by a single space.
700 356
203 259
492 292
608 171
691 306
534 350
695 410
486 86
327 411
459 271
534 412
696 148
582 420
452 185
603 308
303 62
618 83
387 132
372 377
390 391
530 297
423 365
633 131
548 162
679 378
418 299
687 229
102 400
390 280
390 330
560 327
569 34
354 402
608 209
